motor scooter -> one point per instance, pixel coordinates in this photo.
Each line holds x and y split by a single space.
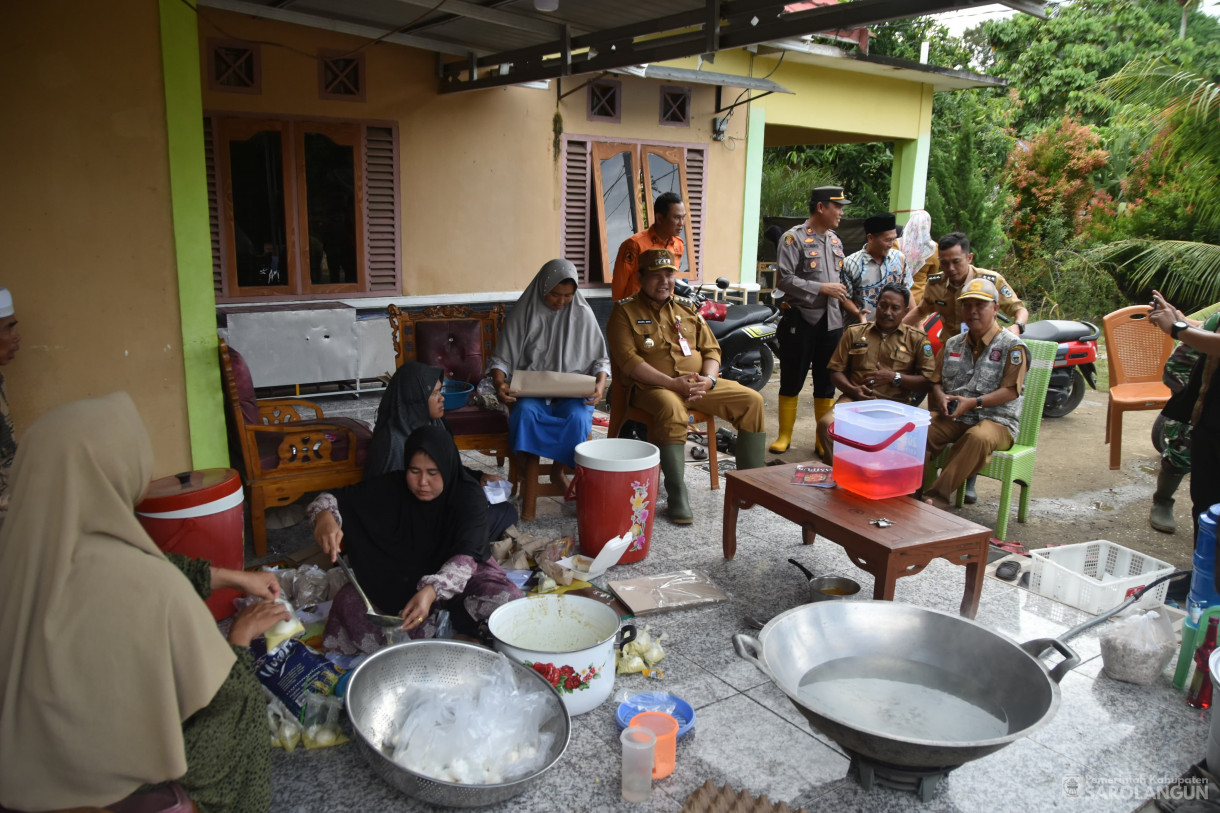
1075 360
747 334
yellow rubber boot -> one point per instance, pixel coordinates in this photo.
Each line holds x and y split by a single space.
820 407
787 420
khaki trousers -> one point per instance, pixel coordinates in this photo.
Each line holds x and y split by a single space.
972 448
668 416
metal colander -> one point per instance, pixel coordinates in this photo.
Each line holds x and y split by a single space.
373 697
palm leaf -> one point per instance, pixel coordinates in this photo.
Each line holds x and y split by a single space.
1160 84
1181 270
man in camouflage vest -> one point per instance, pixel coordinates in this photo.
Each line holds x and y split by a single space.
976 391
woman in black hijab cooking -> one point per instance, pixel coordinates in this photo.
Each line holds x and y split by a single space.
417 540
413 399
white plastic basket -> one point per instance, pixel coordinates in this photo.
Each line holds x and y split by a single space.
1094 576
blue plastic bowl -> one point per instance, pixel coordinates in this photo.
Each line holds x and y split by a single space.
457 394
683 712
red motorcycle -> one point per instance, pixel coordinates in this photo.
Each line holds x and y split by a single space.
1075 360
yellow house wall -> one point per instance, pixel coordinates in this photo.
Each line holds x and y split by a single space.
481 197
85 218
828 106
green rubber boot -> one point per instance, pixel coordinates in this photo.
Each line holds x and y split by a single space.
1161 517
673 466
751 450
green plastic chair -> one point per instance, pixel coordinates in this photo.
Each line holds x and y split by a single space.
1014 465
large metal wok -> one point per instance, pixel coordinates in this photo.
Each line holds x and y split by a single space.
984 668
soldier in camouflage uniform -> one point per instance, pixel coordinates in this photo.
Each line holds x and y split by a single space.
10 343
1175 456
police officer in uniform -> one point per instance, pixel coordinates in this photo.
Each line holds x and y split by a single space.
879 359
956 271
810 258
665 361
976 391
940 296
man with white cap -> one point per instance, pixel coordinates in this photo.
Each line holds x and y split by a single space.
10 343
976 391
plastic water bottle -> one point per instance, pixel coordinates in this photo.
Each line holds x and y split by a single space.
1202 581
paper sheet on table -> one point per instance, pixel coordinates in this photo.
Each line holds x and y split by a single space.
544 384
669 591
606 558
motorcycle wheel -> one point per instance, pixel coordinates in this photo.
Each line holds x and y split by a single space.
756 374
1158 433
1073 400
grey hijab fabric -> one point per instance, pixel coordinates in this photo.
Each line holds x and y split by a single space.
534 337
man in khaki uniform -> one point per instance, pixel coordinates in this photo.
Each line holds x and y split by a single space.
940 296
956 271
976 392
879 359
665 360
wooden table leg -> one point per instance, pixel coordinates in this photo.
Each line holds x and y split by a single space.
974 586
883 582
729 535
808 534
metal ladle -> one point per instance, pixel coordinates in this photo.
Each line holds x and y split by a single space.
370 612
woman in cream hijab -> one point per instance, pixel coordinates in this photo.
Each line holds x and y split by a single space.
118 677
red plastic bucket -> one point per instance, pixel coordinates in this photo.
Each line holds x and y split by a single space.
616 492
199 514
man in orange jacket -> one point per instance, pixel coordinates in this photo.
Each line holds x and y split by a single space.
668 220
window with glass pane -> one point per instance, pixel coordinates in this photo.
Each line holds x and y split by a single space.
666 176
618 197
330 184
259 235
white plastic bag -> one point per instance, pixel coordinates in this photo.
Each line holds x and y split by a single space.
1137 648
483 732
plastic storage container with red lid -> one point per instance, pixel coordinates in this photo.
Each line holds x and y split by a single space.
199 514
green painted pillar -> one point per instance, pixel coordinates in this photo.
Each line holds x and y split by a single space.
756 125
192 234
909 182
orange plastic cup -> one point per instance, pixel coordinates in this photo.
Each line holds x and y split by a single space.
666 729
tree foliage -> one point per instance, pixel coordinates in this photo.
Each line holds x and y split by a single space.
1056 66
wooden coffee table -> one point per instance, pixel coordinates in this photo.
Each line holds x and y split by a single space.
919 533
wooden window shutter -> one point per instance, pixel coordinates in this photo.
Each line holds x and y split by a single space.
209 160
696 160
577 192
381 210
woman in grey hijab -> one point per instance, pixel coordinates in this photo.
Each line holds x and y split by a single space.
552 329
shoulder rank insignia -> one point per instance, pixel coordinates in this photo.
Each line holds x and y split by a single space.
625 300
935 277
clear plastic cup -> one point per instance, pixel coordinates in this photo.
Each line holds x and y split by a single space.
665 727
638 744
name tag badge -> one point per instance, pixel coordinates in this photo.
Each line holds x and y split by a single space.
941 302
682 339
859 344
643 321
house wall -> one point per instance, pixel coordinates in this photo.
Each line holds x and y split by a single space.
85 217
481 197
